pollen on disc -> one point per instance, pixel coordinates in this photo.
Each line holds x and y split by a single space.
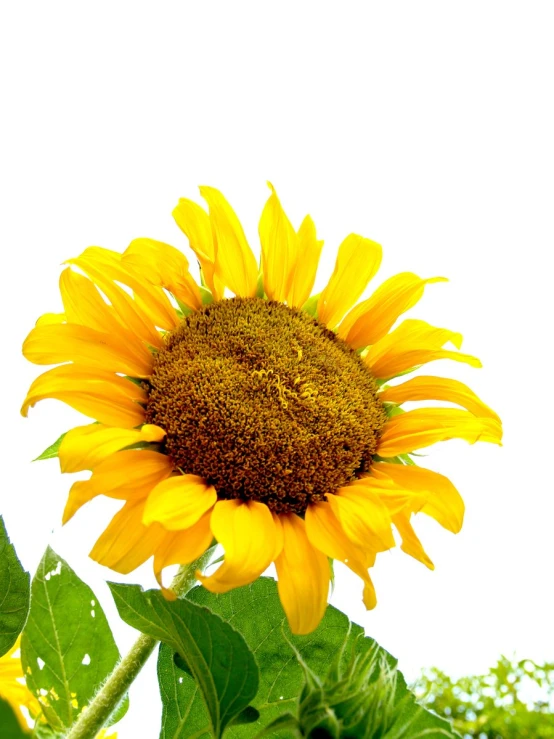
265 402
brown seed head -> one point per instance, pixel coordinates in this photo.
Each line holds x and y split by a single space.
265 402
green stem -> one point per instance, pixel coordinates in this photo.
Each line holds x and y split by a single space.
91 721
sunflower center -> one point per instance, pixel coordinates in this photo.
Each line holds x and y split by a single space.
265 402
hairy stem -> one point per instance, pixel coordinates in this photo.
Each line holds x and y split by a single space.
92 720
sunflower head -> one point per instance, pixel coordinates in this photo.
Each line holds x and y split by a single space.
243 410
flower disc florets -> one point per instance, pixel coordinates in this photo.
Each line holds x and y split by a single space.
265 403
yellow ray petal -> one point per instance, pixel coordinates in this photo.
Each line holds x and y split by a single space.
442 501
102 396
15 693
235 264
394 497
363 516
425 426
178 503
84 447
70 342
105 265
438 388
280 245
83 303
183 547
127 475
412 344
130 314
165 266
302 277
48 319
248 533
373 318
80 492
410 543
358 260
126 543
325 533
303 577
194 222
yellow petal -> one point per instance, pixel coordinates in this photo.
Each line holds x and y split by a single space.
183 547
127 475
155 306
69 342
194 222
103 396
363 517
106 273
235 264
373 318
412 344
178 503
280 244
410 542
248 533
425 426
438 388
394 497
83 303
442 501
126 543
48 319
84 447
303 577
326 534
81 492
165 266
358 260
304 272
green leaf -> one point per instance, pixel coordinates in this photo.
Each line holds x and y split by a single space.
11 728
51 451
14 593
225 672
256 612
67 647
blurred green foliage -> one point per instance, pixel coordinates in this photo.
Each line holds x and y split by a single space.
515 700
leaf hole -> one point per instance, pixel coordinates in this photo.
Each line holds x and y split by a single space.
180 680
56 571
40 663
86 660
93 603
93 614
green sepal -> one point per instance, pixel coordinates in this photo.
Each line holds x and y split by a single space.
206 295
399 459
260 292
184 310
310 306
52 451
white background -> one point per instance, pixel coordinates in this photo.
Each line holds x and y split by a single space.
427 126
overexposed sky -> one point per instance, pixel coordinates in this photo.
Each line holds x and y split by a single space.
426 126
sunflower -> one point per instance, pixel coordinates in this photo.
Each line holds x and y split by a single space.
245 411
